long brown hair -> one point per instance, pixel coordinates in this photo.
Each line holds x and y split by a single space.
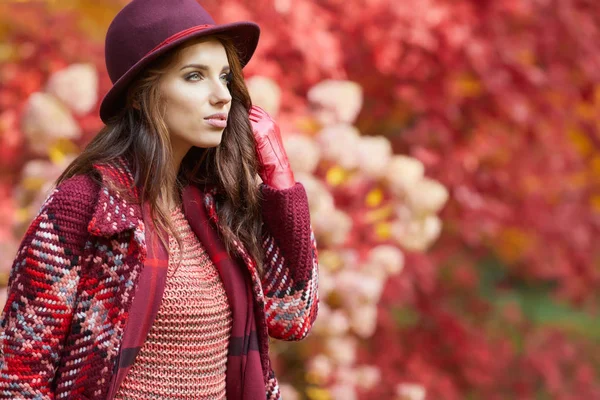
140 135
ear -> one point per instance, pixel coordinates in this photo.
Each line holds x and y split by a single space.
136 104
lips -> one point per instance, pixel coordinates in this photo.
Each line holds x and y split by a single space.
217 120
218 116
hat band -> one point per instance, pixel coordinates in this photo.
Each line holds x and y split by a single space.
178 35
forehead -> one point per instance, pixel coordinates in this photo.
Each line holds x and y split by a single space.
210 53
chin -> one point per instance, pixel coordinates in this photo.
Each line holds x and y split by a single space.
212 139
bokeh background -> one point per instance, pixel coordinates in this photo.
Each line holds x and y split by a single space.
450 152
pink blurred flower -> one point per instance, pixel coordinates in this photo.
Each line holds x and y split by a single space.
337 323
37 179
345 375
387 257
417 234
36 172
410 391
331 226
7 212
326 282
363 320
45 120
367 376
374 154
11 138
303 152
8 249
265 92
76 86
3 296
403 172
342 350
343 392
321 366
426 196
335 101
340 144
288 392
319 198
320 326
357 288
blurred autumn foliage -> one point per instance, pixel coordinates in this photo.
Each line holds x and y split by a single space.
462 218
501 103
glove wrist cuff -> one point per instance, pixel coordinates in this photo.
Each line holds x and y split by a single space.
281 179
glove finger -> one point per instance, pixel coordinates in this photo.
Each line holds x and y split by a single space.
256 116
255 110
276 151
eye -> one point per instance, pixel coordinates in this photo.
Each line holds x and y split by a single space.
228 77
194 76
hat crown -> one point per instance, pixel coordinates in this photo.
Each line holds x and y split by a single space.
142 25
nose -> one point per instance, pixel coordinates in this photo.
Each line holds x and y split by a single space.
220 94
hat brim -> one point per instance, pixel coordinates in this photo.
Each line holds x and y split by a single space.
244 36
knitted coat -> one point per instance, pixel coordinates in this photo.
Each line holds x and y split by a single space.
76 271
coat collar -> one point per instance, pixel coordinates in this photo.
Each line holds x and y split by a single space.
113 213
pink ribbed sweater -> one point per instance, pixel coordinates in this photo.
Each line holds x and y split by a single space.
185 353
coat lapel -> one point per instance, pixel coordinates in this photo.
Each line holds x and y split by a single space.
115 213
146 302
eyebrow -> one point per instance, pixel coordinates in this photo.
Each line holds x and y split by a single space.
203 67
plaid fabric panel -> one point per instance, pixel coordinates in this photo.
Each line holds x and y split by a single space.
42 293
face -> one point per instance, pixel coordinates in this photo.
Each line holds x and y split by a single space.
196 97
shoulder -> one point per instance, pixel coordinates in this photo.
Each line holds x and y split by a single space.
74 198
61 224
57 235
83 185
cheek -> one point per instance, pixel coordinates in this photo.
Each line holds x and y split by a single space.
183 105
183 108
184 96
179 114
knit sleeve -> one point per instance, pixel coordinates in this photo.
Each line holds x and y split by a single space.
290 276
42 291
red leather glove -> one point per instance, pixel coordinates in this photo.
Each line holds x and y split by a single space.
274 166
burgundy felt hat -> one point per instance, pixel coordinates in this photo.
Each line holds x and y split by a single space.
145 29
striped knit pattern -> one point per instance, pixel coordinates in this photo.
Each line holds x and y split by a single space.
185 353
291 294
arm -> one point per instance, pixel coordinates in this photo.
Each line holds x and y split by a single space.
42 292
290 268
290 278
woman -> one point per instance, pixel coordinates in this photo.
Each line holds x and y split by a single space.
159 267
